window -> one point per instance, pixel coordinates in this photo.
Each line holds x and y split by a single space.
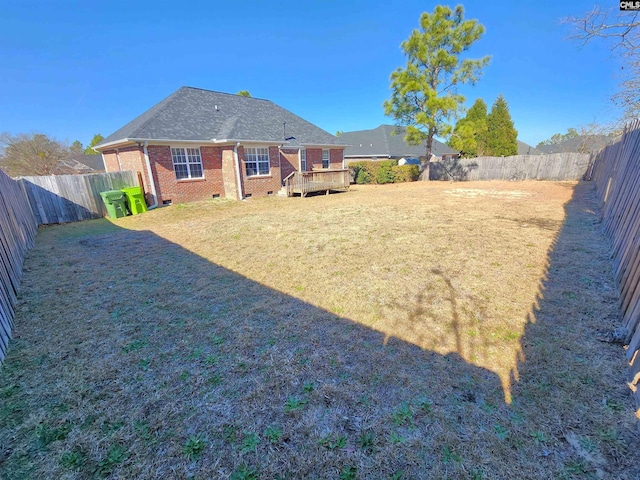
256 161
325 158
303 160
187 162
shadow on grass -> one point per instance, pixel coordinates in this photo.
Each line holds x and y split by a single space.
135 358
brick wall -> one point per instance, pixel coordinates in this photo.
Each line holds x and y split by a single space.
110 161
289 161
260 186
314 158
186 190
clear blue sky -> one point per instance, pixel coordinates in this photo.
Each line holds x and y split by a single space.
70 69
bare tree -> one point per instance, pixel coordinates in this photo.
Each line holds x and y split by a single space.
32 154
622 30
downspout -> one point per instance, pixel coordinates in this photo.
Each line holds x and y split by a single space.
152 183
237 169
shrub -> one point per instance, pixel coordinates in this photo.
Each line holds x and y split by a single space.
384 175
383 171
405 173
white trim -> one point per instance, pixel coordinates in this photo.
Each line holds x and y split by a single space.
236 167
152 182
215 141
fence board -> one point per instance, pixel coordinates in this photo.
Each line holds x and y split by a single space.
72 198
557 166
18 227
616 173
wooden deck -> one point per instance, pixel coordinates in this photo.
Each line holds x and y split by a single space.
316 181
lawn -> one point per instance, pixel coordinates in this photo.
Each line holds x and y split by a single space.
422 330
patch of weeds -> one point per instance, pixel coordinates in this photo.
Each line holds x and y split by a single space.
308 387
501 432
397 475
589 444
134 346
229 433
614 406
184 376
333 441
449 455
144 363
249 442
292 404
426 406
579 468
47 434
366 441
273 434
348 473
115 455
538 436
215 380
211 359
193 447
244 472
142 429
196 353
404 414
488 407
12 407
476 474
395 438
73 460
216 340
608 435
107 427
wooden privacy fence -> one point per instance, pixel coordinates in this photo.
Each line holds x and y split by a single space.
17 234
71 198
616 173
556 166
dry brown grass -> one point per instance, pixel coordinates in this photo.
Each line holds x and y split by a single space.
425 330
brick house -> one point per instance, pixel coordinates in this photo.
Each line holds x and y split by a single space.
198 144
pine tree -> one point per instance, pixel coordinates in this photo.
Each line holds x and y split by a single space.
424 93
470 133
502 137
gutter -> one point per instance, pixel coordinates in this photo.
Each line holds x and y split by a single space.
237 169
152 183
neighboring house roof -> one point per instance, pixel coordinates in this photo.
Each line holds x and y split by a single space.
194 114
387 141
94 162
580 144
525 149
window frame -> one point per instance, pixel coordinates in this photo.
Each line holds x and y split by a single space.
303 159
328 157
187 153
256 154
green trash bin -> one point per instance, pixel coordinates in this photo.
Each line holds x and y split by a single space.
135 199
115 202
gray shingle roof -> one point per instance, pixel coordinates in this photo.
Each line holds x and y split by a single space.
580 144
526 149
197 114
387 141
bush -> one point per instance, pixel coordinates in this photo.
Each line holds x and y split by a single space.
405 173
362 176
384 171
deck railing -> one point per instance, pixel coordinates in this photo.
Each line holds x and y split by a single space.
317 181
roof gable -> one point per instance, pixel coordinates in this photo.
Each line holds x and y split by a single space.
387 141
192 114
